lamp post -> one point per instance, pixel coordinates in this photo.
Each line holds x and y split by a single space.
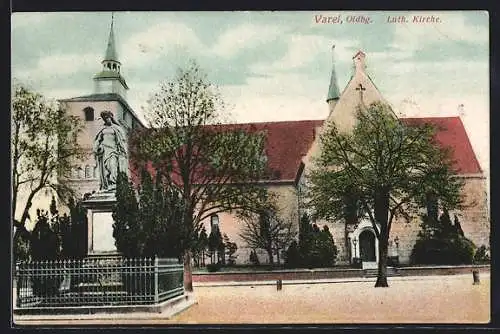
355 242
396 241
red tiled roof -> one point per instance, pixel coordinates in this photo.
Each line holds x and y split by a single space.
287 142
451 133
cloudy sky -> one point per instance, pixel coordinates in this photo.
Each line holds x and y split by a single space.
269 65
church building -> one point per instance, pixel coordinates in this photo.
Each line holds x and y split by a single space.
290 146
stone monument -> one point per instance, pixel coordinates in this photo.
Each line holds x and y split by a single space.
111 156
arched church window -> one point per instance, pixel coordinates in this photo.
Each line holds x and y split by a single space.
80 172
109 66
88 172
114 66
89 114
214 221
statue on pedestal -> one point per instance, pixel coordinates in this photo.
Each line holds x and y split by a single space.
110 151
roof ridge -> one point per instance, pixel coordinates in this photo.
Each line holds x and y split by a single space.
270 122
423 117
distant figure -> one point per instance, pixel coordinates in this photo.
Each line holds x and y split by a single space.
110 151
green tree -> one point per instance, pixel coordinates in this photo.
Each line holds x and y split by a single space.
203 244
213 169
126 227
75 245
199 250
45 244
148 223
306 238
171 236
327 249
44 149
54 236
388 168
215 243
230 248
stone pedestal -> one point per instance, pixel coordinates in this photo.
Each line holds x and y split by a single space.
100 223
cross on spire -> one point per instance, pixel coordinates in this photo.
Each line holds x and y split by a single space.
360 88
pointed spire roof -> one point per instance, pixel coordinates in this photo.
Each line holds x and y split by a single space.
333 90
111 53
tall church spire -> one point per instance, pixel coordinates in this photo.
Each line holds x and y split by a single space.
111 53
110 80
333 89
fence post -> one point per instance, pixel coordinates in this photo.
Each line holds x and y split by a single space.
19 280
475 277
156 280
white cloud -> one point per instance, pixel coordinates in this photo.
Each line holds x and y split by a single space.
412 36
57 66
248 108
269 99
19 19
404 67
451 77
248 35
157 41
302 50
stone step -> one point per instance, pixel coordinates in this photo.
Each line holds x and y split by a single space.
92 287
374 272
97 284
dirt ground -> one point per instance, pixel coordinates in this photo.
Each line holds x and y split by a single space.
438 299
430 299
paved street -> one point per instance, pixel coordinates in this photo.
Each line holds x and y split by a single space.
428 299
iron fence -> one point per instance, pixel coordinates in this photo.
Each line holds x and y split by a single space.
100 281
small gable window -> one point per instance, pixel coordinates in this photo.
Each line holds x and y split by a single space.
89 114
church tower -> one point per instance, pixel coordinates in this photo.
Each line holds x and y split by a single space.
333 90
109 79
109 94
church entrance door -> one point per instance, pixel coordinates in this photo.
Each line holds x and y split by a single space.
367 246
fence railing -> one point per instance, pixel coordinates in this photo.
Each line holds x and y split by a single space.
97 281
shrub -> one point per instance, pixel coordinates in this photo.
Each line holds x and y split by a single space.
213 267
458 250
21 244
316 247
230 248
481 255
45 244
440 242
292 256
254 259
